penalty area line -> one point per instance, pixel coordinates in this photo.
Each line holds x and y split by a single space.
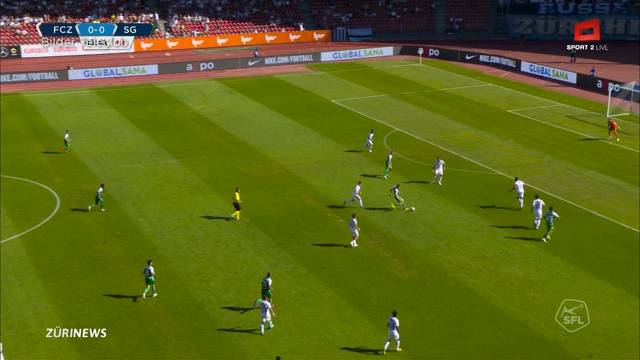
484 165
55 210
515 112
386 145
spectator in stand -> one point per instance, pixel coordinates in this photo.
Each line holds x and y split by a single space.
593 71
573 53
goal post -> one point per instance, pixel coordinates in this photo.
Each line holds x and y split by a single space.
624 99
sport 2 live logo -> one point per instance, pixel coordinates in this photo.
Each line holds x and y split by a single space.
573 315
587 31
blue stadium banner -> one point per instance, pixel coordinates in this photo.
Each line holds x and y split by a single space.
57 30
134 29
563 8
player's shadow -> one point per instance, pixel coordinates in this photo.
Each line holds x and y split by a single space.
336 206
53 152
592 139
134 298
329 245
212 217
244 331
417 182
378 208
511 227
79 209
361 350
526 238
240 309
353 151
372 176
496 207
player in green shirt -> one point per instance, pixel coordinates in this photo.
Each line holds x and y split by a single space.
397 201
149 279
266 287
550 217
67 141
387 164
99 199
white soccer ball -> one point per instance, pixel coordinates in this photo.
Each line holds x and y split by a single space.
413 209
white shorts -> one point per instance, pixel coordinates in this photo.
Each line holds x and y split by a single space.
521 195
395 335
265 319
355 234
438 172
356 197
368 143
537 215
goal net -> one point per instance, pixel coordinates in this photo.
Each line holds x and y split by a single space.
624 99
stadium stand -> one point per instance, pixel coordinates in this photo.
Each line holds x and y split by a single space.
185 17
382 15
214 17
469 15
231 17
19 18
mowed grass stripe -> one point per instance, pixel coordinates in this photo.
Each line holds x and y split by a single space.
540 168
404 251
313 232
137 174
479 111
236 162
303 116
337 181
183 233
17 271
627 239
95 258
558 117
512 158
383 224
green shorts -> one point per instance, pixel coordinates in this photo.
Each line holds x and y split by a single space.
99 200
151 280
266 293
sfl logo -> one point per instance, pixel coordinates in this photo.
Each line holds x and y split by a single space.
588 30
573 315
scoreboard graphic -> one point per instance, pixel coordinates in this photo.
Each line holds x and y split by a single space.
94 36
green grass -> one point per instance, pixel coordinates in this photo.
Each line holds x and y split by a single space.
460 271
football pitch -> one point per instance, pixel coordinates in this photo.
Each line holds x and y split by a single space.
467 274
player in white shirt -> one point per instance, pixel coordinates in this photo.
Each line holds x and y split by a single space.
355 195
438 170
536 208
393 325
369 142
518 186
355 230
67 141
266 311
